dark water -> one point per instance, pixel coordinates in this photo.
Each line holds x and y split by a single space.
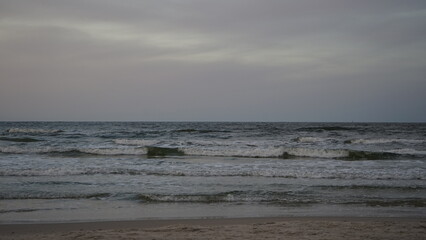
72 171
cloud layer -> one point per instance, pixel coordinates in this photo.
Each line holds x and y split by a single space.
202 60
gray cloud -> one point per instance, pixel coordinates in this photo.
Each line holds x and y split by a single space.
212 60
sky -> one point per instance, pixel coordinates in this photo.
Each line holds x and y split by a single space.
222 60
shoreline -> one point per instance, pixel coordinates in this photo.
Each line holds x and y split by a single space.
222 228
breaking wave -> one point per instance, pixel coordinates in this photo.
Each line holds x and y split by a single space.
270 152
315 153
343 154
409 151
245 151
138 142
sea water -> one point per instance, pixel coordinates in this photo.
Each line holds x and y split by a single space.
91 171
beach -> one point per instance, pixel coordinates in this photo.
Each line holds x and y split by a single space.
233 228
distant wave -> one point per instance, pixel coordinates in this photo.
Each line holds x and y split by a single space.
33 130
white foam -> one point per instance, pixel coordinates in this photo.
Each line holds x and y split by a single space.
32 130
311 139
21 150
317 153
98 151
408 151
114 151
234 152
41 172
137 142
386 140
60 171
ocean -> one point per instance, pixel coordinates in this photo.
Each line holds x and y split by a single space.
97 171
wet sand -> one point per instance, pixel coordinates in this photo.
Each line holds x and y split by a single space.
237 228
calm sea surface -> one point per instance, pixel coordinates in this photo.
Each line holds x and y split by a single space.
80 171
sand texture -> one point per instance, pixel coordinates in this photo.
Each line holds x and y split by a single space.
307 228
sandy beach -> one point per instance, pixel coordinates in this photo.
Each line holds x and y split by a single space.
241 228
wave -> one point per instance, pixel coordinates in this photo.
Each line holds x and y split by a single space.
314 153
408 151
311 139
69 172
73 151
227 197
191 130
220 197
383 141
192 198
265 197
245 151
138 142
161 151
395 203
343 154
114 151
270 197
267 152
222 171
51 195
33 130
19 139
371 187
325 128
199 143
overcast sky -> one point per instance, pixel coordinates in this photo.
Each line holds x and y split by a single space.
205 60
